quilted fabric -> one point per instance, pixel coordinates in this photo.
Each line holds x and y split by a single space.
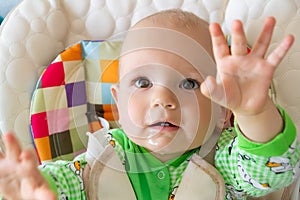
71 93
37 30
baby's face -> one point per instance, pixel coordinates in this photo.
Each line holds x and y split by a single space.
159 101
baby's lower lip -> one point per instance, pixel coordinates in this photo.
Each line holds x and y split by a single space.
165 128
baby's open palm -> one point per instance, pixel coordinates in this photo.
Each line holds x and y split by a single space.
243 78
19 175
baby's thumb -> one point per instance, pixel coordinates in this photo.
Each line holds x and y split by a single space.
212 90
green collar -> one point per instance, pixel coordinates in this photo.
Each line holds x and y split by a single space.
149 176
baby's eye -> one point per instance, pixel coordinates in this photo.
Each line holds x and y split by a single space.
189 84
142 82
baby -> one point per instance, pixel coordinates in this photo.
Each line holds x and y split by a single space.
178 85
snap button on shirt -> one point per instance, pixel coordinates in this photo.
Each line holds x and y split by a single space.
161 175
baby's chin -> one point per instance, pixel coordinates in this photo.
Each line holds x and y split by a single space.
153 144
164 146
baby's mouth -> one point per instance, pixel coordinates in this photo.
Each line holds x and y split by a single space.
163 124
163 127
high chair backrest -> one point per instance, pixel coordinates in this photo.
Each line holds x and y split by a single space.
39 39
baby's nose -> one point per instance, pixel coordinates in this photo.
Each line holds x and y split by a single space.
164 97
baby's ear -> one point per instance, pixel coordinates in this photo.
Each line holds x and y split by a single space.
114 92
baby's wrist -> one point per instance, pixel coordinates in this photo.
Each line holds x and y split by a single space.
268 107
263 126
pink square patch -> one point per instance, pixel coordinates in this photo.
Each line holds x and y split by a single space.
58 120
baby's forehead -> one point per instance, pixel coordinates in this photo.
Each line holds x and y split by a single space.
155 60
141 43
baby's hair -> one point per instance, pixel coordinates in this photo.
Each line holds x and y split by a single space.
175 18
182 21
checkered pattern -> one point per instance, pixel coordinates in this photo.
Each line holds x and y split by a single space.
248 172
176 174
70 96
67 181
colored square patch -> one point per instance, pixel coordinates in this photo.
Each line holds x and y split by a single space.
94 92
91 50
54 75
39 125
43 146
110 50
55 98
61 144
106 94
92 112
72 53
79 138
74 71
78 116
110 112
109 71
39 102
92 70
76 93
58 120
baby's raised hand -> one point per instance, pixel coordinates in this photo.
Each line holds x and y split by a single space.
243 79
19 175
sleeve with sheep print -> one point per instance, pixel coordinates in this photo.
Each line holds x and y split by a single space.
66 178
254 169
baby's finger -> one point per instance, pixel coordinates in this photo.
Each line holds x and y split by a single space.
13 147
213 91
238 39
29 158
278 54
220 46
262 43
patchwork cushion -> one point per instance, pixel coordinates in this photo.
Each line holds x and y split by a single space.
70 95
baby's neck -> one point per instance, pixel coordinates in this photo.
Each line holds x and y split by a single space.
166 157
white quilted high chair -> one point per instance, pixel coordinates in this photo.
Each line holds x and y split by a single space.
37 32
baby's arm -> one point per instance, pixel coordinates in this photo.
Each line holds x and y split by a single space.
243 80
256 169
19 175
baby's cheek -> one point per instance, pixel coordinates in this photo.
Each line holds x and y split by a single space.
135 112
